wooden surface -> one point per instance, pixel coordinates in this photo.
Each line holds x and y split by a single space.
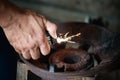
22 71
24 74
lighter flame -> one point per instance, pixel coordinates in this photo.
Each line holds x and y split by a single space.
67 38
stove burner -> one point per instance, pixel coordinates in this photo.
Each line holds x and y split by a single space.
72 64
70 59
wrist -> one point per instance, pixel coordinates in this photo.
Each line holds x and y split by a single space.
8 13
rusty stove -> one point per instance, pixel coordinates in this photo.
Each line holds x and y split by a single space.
71 61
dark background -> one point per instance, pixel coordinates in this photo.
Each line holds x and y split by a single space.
60 11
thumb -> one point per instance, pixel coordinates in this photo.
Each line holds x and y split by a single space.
51 28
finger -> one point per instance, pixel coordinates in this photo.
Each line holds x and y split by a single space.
26 55
45 47
42 41
18 51
51 28
35 53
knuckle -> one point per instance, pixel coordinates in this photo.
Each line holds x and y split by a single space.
41 39
18 50
51 26
54 26
27 56
30 46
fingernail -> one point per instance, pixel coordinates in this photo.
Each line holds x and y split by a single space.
55 35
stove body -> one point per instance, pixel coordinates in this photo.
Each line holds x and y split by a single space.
95 51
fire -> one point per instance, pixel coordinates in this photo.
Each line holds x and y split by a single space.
67 38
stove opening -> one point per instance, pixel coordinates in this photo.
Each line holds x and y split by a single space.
71 59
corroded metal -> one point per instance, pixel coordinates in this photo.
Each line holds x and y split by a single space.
70 59
92 36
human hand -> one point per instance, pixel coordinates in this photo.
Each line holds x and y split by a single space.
26 33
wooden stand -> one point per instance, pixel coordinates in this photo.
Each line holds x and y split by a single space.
23 73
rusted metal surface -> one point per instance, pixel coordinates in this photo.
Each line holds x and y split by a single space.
91 36
71 59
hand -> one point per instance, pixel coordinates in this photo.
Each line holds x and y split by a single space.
26 33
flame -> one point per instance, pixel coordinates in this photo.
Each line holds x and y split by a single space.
67 38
